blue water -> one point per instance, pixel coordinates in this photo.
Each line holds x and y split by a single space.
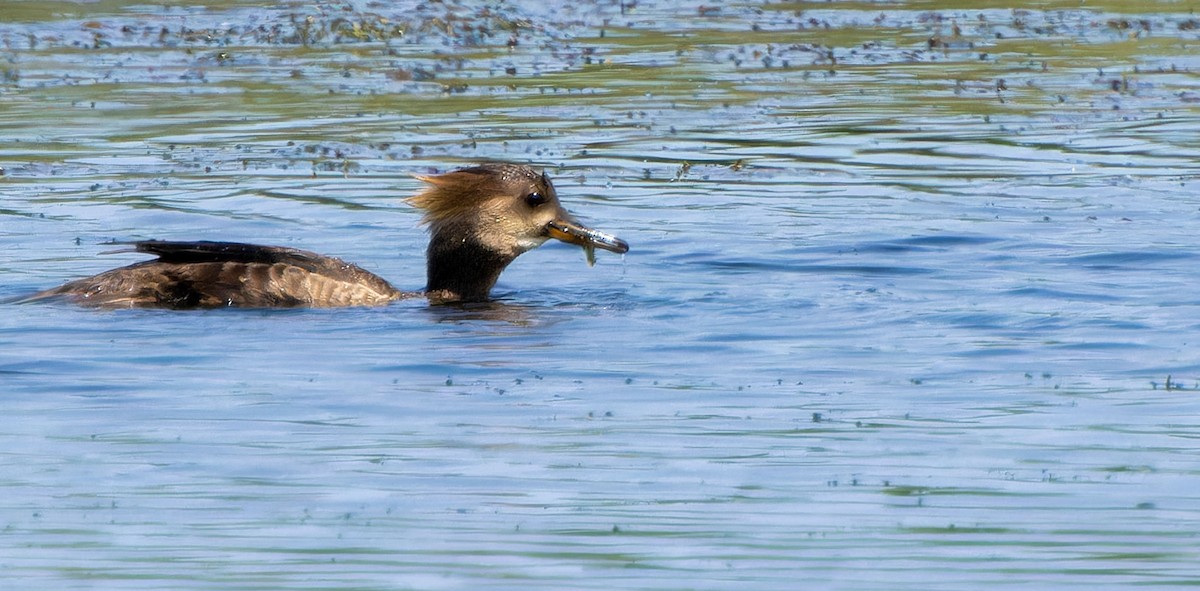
866 338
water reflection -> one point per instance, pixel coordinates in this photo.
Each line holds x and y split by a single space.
515 314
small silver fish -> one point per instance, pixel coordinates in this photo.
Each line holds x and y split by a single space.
572 232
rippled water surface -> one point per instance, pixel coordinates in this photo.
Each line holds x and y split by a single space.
911 301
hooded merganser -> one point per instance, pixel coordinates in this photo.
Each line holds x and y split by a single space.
480 220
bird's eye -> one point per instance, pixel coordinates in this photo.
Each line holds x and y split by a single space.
535 199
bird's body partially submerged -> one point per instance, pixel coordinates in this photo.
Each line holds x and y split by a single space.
480 220
228 274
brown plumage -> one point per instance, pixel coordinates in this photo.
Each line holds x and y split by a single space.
480 220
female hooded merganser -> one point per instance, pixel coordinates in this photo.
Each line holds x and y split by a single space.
480 220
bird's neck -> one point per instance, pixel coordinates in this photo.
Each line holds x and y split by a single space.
460 267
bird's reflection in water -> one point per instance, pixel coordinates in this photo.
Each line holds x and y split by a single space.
491 311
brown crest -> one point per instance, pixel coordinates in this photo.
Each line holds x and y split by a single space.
460 193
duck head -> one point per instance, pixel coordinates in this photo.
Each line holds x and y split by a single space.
484 217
